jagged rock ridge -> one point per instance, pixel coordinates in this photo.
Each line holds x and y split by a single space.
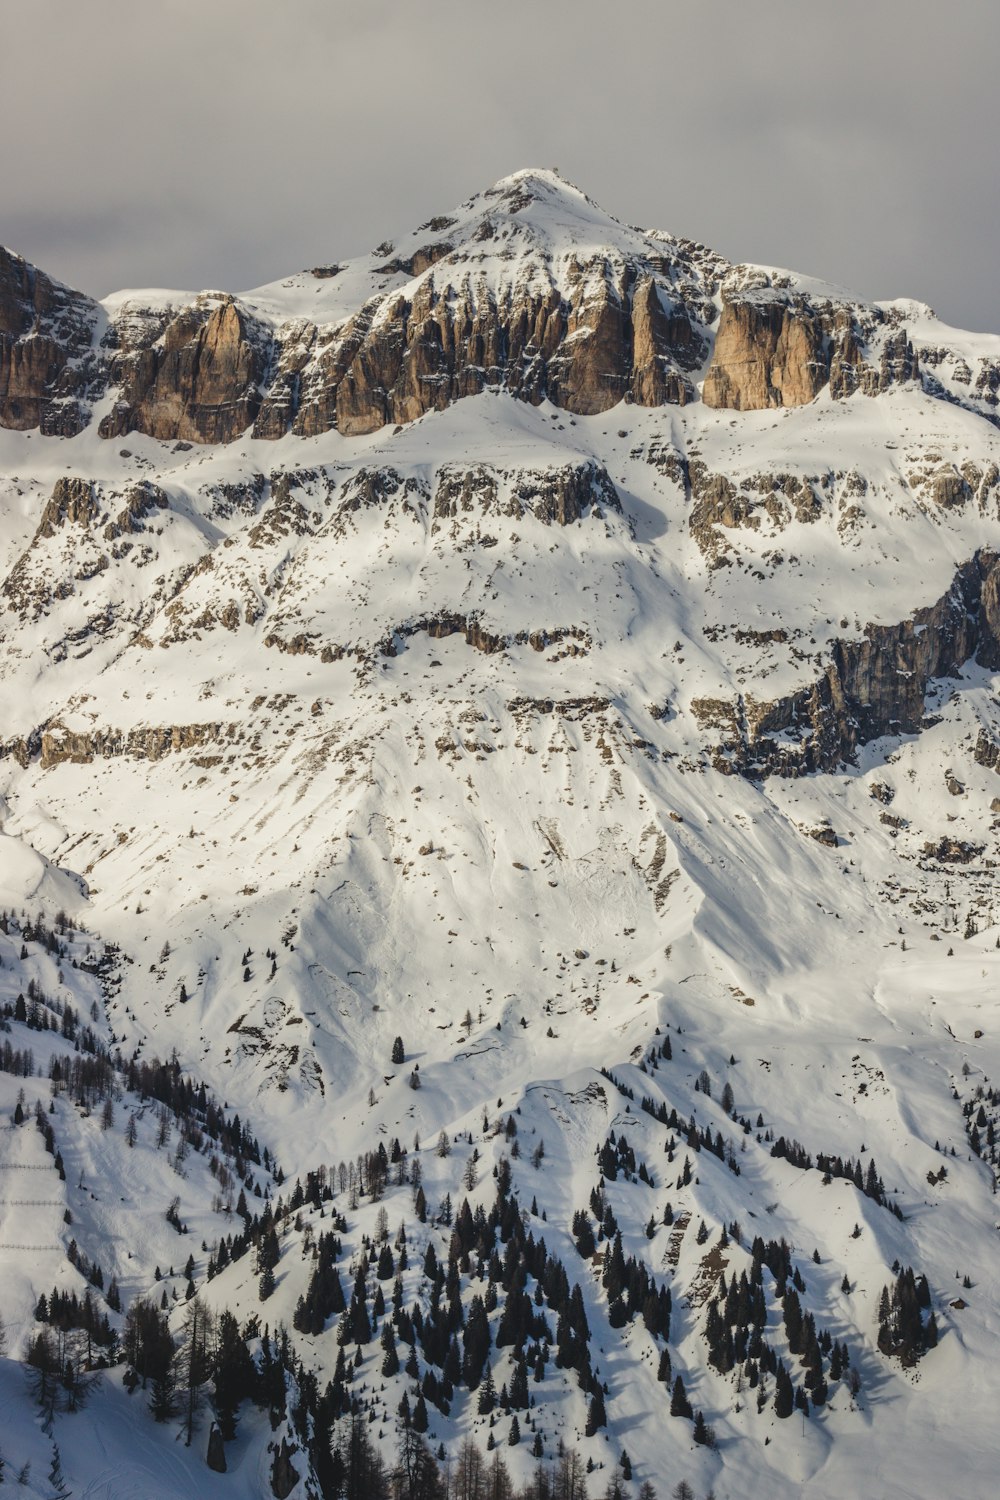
506 301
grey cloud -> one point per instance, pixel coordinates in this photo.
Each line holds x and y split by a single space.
192 144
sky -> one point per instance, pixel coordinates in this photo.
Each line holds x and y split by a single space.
225 143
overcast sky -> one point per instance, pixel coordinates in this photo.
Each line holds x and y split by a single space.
224 143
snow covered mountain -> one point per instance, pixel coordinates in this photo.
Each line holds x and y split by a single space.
525 700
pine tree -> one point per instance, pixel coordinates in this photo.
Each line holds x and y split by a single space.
784 1394
233 1374
193 1362
680 1406
43 1361
487 1394
390 1364
398 1051
596 1414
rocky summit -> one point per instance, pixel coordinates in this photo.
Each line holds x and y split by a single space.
499 929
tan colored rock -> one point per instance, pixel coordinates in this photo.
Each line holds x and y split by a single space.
397 358
58 745
198 375
767 353
848 370
657 338
589 373
898 363
949 488
363 395
199 383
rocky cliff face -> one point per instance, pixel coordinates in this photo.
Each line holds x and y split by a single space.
47 368
465 718
197 382
55 745
767 353
871 687
72 503
556 497
777 348
585 349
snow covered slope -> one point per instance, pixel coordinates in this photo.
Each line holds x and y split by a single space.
535 642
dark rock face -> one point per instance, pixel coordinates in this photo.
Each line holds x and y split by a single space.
556 496
72 503
987 752
872 687
284 1475
47 368
573 638
198 383
952 851
849 369
142 500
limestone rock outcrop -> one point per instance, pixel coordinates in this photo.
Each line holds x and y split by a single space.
584 316
199 382
57 744
72 503
661 340
142 500
47 368
871 687
557 497
585 349
770 351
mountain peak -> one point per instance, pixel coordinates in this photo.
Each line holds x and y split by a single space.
542 197
537 182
